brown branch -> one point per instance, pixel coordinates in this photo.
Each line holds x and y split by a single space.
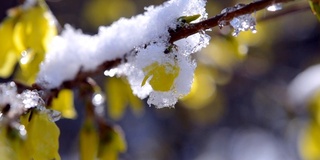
214 21
175 35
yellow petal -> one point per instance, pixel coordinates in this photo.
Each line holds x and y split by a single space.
203 89
8 55
32 34
161 76
35 28
134 102
42 137
88 140
309 142
7 148
111 144
64 104
9 62
117 99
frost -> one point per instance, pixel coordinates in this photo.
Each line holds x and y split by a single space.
241 23
275 7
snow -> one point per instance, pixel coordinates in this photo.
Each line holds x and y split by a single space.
73 51
19 103
154 53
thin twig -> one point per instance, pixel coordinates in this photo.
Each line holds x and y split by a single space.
287 11
214 21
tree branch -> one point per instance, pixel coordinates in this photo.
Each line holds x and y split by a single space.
175 35
228 16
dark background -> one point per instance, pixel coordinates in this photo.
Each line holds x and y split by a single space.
250 119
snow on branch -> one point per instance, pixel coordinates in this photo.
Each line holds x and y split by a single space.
74 50
141 48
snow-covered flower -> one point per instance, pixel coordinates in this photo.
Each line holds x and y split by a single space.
151 72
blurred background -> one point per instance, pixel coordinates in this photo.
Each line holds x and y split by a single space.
238 108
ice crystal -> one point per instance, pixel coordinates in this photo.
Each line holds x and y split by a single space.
241 23
53 114
31 99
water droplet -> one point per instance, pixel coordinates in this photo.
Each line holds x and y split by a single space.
19 129
253 29
235 33
53 115
98 101
222 24
275 7
26 57
230 9
226 10
22 130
